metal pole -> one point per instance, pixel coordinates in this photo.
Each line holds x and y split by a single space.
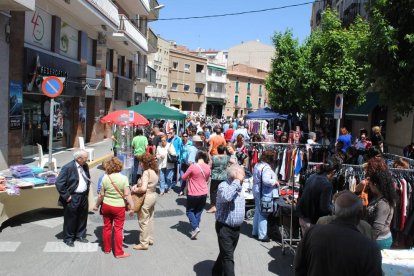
338 124
52 103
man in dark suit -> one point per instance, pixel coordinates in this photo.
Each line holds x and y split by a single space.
73 186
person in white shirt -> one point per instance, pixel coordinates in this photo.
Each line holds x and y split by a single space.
166 168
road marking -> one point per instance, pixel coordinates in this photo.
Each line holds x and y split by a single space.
62 247
9 246
50 223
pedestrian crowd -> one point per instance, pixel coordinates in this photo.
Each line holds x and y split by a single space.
214 158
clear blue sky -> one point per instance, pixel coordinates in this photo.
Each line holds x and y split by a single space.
224 32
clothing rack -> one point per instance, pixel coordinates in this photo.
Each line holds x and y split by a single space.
395 157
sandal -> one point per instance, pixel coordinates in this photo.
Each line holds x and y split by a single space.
125 255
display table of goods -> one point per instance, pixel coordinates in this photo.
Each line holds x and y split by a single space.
398 262
24 188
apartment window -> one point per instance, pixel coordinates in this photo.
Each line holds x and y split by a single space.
91 56
199 89
248 87
174 86
260 102
164 86
175 65
236 100
187 67
237 86
109 59
209 71
248 102
119 65
199 68
128 69
219 73
186 87
260 90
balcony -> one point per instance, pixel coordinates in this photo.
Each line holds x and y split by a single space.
129 33
95 13
218 95
17 5
154 11
152 41
154 92
139 7
200 78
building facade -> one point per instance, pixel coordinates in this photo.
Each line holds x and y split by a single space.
245 89
252 53
187 80
160 61
99 47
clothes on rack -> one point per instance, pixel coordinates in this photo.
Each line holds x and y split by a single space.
257 126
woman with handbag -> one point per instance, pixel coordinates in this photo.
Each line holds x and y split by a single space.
145 192
218 166
113 195
197 177
166 168
265 188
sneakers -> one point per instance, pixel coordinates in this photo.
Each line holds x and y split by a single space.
140 247
194 233
181 194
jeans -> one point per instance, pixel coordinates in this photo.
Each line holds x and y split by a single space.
384 244
170 182
259 220
135 171
228 238
165 179
194 209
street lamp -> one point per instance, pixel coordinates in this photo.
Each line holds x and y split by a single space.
158 7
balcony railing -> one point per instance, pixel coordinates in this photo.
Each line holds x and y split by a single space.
219 95
200 78
132 32
154 13
107 8
152 41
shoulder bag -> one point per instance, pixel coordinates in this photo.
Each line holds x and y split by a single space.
171 158
139 199
119 192
364 196
267 205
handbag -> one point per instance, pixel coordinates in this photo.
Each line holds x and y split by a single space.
138 199
364 196
267 205
171 158
119 192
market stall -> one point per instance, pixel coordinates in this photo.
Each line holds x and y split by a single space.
25 188
123 122
265 121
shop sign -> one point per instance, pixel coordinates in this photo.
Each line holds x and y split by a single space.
175 101
339 99
38 28
36 78
68 41
15 104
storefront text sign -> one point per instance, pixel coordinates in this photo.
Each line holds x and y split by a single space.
38 28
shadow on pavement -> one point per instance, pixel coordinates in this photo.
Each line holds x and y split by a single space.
183 227
246 229
32 216
281 264
131 237
181 201
203 268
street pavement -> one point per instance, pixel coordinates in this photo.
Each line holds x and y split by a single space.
31 244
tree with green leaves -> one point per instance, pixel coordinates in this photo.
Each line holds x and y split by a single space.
391 53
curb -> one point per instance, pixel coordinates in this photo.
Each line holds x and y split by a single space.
99 160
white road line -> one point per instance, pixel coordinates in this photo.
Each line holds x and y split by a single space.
50 223
62 247
9 246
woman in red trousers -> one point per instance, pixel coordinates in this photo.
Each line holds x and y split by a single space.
115 187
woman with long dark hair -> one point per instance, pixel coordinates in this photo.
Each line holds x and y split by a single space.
380 209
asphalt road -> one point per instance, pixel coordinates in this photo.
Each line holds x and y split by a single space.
31 244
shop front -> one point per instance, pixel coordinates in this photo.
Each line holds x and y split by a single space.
69 108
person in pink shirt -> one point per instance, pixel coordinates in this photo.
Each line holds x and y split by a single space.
197 176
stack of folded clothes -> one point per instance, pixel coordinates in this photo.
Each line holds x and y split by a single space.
21 171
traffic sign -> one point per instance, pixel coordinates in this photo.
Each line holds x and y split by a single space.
52 86
339 99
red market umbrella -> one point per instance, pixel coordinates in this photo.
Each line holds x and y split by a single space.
125 118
